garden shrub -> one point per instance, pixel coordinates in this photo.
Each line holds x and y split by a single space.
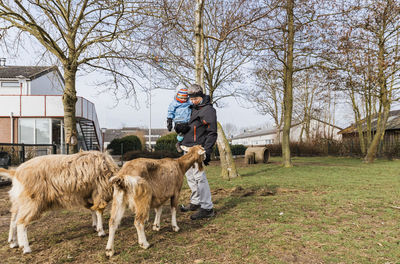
158 154
129 143
167 143
235 149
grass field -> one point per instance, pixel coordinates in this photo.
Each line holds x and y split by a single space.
323 210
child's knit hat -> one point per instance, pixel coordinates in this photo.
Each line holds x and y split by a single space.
182 95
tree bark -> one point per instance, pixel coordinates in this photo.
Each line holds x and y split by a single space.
69 101
227 163
288 88
199 36
228 166
384 105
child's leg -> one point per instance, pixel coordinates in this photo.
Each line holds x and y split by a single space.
179 137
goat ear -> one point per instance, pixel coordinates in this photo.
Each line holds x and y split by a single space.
201 152
184 148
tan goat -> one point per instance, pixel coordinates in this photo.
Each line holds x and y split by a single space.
142 184
58 181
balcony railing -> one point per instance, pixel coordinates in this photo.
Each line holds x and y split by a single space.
46 106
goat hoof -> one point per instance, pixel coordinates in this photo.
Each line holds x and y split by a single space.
144 245
175 228
13 245
156 227
27 250
109 253
101 233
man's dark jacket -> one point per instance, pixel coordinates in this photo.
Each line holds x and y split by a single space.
203 126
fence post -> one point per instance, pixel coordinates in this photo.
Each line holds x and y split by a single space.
23 152
54 149
122 153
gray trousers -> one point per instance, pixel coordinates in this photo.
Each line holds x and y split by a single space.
198 184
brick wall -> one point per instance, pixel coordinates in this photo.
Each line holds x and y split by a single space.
5 130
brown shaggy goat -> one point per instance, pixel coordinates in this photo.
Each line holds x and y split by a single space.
142 184
58 181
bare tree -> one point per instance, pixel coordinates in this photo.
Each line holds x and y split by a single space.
290 40
83 34
230 129
267 96
370 63
219 49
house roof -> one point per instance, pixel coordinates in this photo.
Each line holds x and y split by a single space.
29 72
393 122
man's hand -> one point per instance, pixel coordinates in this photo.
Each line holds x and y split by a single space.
169 124
207 159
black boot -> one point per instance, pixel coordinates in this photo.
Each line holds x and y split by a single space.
202 213
189 207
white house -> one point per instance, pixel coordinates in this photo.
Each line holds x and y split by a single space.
32 112
257 137
261 137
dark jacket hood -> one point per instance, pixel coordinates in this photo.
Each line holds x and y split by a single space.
206 101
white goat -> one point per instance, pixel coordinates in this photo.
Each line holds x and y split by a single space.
58 181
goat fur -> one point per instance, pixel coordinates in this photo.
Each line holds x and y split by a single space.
58 181
142 184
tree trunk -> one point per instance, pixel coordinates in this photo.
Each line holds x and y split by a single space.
380 132
69 101
227 163
199 36
288 88
384 108
228 166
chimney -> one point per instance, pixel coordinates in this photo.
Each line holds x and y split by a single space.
2 62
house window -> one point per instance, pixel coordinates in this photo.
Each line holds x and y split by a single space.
42 135
10 84
26 131
34 130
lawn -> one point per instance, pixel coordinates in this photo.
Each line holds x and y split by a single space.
323 210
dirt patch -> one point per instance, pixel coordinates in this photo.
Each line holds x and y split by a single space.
243 192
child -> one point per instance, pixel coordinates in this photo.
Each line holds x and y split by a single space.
179 111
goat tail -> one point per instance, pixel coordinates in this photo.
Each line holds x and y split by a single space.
7 173
142 199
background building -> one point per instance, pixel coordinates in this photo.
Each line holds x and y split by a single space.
261 137
392 131
32 111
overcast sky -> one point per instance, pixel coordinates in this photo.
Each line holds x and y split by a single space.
123 114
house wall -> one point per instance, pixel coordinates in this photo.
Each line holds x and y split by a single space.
14 90
317 130
5 130
255 141
48 84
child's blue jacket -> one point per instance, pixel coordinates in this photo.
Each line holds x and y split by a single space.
179 112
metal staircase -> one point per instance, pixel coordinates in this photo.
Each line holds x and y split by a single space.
89 134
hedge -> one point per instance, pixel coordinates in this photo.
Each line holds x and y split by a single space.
167 143
129 143
158 154
235 149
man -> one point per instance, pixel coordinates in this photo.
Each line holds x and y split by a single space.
203 131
